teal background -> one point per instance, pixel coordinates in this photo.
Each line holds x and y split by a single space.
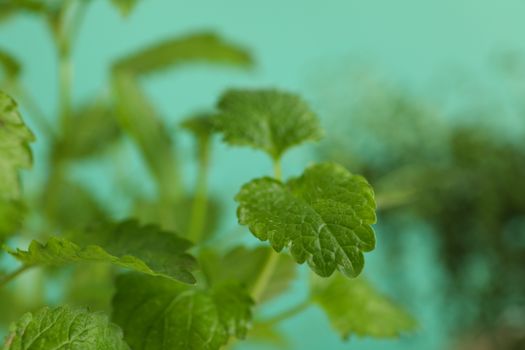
296 43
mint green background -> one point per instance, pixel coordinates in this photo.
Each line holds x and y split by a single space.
294 42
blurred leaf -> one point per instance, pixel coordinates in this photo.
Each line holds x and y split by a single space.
244 265
138 116
146 249
269 120
125 6
64 327
88 132
11 7
200 125
325 215
355 307
205 47
11 217
68 205
139 119
160 314
91 285
9 64
15 153
268 333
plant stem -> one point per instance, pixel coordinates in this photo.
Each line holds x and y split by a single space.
297 309
65 86
200 201
273 258
9 277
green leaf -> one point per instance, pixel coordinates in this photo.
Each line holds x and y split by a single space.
10 7
10 65
244 265
202 125
325 215
68 205
203 47
356 307
64 328
158 314
125 6
146 249
11 217
269 120
15 153
88 132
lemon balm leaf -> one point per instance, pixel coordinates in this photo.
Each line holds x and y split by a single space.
269 120
161 314
146 249
324 216
354 306
64 328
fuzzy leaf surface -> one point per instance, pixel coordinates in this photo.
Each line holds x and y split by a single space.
325 216
354 306
146 249
270 120
159 314
64 328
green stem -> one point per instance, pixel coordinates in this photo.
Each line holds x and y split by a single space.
65 86
293 311
199 206
273 258
9 277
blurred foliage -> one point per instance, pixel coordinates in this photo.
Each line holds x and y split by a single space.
457 171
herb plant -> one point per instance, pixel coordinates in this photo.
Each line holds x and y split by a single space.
172 286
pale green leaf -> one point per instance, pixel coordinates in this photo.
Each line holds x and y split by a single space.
202 125
15 153
244 265
354 306
203 47
146 249
64 328
159 314
325 216
269 120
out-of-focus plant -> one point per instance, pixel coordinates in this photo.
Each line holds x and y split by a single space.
181 290
460 173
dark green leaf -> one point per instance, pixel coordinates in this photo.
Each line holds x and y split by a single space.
355 307
325 216
244 265
146 249
64 328
158 314
269 120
